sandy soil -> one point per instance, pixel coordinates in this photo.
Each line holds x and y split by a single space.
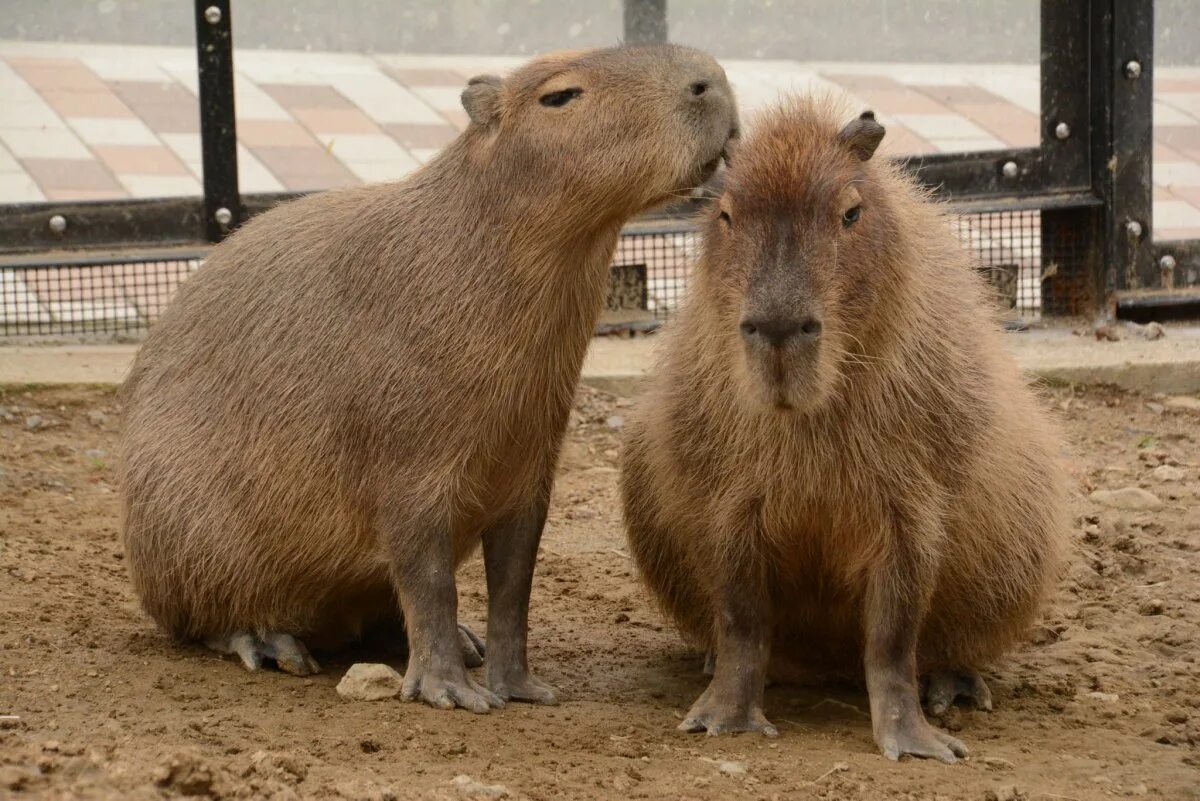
1103 701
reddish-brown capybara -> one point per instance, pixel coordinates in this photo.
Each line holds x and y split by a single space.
361 386
839 464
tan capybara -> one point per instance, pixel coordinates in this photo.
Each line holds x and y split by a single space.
361 386
838 465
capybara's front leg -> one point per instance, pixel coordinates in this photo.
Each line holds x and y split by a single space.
509 555
423 572
897 598
734 698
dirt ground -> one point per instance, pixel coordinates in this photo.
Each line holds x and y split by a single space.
1103 701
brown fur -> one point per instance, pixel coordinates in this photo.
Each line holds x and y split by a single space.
359 377
908 451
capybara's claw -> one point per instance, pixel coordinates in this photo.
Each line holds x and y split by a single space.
287 652
716 718
919 739
444 691
523 687
944 687
472 647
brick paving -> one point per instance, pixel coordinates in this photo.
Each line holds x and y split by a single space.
97 122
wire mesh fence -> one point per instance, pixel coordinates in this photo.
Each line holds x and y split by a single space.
125 295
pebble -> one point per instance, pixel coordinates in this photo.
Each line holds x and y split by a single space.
186 775
95 453
733 768
10 721
1153 606
1157 408
365 681
998 763
470 788
1108 698
33 422
1128 498
1184 403
615 422
1006 792
97 418
1166 472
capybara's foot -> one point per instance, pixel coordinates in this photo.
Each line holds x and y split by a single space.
287 652
943 687
521 686
446 688
472 647
912 735
715 716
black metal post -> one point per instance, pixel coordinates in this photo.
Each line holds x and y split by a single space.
218 131
645 21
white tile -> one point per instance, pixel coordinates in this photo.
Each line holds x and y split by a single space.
252 103
1175 214
8 163
19 187
17 303
942 126
183 70
1023 92
1169 115
253 175
1177 173
126 66
384 100
371 171
445 98
364 147
50 144
1187 102
294 74
112 131
161 185
967 145
36 115
424 154
184 145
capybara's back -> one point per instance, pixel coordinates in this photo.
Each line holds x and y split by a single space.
838 462
360 387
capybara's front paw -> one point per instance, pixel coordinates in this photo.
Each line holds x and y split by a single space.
912 735
447 688
521 686
715 715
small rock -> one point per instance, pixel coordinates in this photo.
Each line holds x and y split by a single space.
33 422
92 674
95 453
51 745
1153 606
470 788
615 422
370 682
732 768
1182 403
455 749
186 775
1128 498
97 418
998 763
1006 792
1157 408
1108 698
10 721
1177 717
1139 789
1166 472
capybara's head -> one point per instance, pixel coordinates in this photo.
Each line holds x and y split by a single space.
794 250
619 129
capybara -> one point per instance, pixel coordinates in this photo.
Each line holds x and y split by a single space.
838 465
360 386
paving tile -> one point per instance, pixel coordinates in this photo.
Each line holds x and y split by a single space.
19 187
951 95
153 93
1187 102
149 286
1024 93
364 147
1011 124
335 121
152 159
253 175
375 171
64 75
170 119
185 145
1164 114
1178 136
941 126
967 145
429 77
458 118
1189 194
8 162
87 104
294 96
47 144
903 100
1176 214
424 154
422 136
450 98
34 115
1169 234
305 168
872 82
270 133
113 131
1162 151
125 64
161 185
899 141
17 303
250 102
384 100
1177 174
70 174
86 194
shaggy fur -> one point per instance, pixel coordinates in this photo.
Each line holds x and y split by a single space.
360 381
907 454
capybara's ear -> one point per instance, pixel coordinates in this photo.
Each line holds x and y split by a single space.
481 98
862 136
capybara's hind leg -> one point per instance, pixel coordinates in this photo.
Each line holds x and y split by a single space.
472 647
509 555
287 652
943 687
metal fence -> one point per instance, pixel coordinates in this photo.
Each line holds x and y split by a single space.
1064 228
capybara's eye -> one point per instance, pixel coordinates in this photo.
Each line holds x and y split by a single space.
725 218
560 98
851 216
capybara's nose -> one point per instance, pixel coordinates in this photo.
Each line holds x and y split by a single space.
780 331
